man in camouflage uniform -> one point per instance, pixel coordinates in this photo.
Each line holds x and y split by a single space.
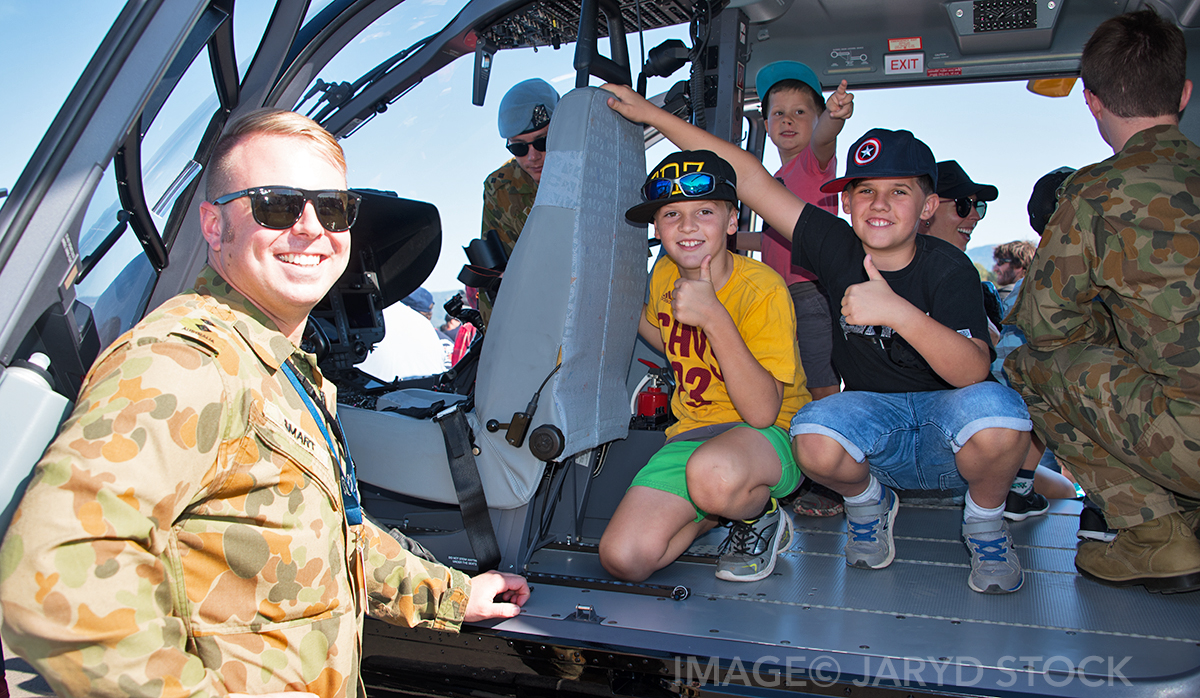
195 527
1111 371
509 192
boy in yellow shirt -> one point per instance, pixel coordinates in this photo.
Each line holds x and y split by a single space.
727 324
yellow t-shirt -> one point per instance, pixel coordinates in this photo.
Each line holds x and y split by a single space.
761 307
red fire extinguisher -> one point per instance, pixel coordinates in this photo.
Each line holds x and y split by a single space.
651 401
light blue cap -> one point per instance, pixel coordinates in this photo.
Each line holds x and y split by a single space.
527 107
772 73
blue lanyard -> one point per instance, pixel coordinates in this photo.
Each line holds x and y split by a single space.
349 480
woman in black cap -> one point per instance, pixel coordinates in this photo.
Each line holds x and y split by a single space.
962 204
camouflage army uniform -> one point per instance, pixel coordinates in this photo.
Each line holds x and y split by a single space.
1109 307
508 195
185 533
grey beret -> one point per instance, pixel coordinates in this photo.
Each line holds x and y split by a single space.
527 107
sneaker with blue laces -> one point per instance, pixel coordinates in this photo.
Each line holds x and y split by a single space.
869 542
995 568
749 551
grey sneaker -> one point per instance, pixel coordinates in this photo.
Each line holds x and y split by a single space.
748 553
995 568
869 532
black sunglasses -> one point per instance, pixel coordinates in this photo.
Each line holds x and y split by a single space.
278 208
522 149
1007 260
963 206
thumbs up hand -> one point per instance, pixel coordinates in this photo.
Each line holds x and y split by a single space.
694 300
872 273
872 302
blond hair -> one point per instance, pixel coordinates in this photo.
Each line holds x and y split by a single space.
267 122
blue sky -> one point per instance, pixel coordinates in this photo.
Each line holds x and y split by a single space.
434 145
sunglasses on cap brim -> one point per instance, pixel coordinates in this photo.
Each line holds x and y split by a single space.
279 208
522 149
963 206
692 185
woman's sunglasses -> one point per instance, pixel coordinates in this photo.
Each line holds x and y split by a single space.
692 184
964 205
522 149
278 208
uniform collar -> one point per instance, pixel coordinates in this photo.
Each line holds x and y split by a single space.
1154 134
519 177
251 323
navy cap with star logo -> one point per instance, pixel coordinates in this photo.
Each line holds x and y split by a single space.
884 154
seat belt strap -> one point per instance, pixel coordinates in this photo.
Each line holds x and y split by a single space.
468 487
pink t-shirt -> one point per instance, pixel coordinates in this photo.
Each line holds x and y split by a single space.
802 176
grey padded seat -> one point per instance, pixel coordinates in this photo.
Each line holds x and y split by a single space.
573 289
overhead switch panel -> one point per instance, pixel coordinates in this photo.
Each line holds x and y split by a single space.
1003 26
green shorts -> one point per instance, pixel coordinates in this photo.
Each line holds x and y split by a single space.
667 469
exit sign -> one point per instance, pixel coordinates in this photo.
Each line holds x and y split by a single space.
901 63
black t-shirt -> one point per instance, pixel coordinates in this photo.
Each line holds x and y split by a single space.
940 281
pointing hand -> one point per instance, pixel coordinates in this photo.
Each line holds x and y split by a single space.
840 104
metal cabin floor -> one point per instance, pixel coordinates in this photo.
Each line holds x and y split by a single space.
919 607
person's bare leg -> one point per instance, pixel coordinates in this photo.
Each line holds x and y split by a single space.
731 475
823 459
989 461
648 531
1053 485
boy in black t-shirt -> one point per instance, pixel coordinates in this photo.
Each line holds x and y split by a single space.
920 410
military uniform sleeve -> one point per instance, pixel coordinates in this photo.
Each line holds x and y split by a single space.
1055 305
492 211
406 590
86 597
504 204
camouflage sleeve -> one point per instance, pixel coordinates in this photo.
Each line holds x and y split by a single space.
407 590
1055 305
492 211
500 207
86 597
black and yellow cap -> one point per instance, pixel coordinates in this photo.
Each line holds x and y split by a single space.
671 180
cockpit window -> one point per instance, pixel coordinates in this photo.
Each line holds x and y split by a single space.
249 24
42 71
314 9
385 44
117 276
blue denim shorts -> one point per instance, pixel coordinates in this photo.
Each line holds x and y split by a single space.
909 439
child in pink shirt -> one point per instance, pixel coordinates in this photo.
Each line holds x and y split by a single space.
804 129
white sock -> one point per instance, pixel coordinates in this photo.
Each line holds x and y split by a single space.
1023 482
872 494
973 513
